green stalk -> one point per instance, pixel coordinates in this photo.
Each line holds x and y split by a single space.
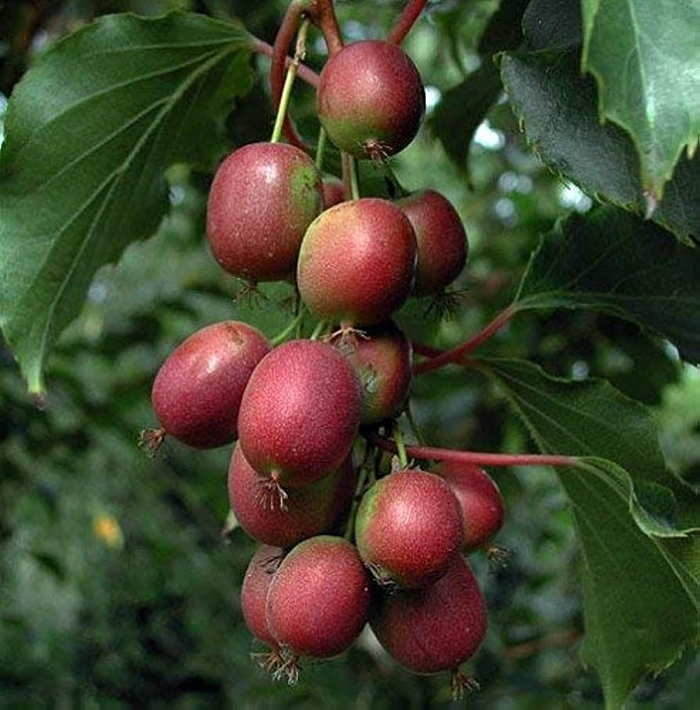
291 327
289 82
400 447
320 148
320 327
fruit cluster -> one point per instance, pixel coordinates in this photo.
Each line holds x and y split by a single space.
348 534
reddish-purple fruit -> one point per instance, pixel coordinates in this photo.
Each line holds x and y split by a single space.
197 392
371 100
383 358
479 499
436 628
256 582
333 191
262 199
300 412
441 237
318 601
308 511
357 262
408 528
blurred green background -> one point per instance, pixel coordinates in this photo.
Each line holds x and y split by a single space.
117 588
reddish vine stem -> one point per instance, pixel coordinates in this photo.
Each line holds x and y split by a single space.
322 14
475 457
458 354
405 21
425 350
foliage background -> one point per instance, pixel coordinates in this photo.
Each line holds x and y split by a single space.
117 589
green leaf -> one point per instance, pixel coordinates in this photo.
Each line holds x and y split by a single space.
644 57
614 262
636 522
90 131
639 613
558 108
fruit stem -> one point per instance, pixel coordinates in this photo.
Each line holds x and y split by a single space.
289 329
350 177
318 330
480 458
320 148
400 447
405 21
359 489
299 54
415 429
395 188
278 80
457 355
303 72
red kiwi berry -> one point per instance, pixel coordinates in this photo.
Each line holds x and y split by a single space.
253 598
479 499
408 528
357 262
333 191
382 357
441 238
436 628
197 392
371 99
318 601
262 199
300 413
256 582
308 510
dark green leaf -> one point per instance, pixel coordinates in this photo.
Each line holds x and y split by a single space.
637 523
503 31
552 24
90 131
644 57
559 111
614 262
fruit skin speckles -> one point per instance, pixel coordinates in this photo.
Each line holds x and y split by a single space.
319 599
357 262
371 99
262 199
479 499
408 528
436 628
300 412
197 391
441 239
309 510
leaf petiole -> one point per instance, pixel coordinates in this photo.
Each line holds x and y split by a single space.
457 355
480 458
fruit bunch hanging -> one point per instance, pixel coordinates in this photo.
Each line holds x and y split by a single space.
352 531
